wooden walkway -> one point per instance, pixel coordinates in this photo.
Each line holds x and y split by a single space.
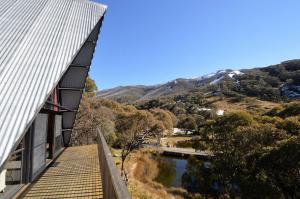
185 151
75 174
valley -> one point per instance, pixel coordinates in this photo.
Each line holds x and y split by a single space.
241 122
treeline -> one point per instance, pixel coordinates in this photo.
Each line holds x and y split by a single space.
255 156
123 126
113 119
191 109
265 83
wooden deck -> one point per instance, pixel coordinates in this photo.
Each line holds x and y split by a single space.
75 174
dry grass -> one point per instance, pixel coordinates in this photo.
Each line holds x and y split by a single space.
171 141
142 169
117 156
248 103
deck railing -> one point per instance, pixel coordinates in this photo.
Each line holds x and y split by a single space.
113 185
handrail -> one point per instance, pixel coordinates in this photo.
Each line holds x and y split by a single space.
112 183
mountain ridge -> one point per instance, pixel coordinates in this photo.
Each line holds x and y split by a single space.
280 80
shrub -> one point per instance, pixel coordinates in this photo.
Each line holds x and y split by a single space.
290 125
291 109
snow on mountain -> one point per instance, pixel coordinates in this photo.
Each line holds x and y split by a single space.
216 81
222 71
206 76
220 75
133 93
235 72
215 78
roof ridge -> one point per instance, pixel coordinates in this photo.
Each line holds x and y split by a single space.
102 6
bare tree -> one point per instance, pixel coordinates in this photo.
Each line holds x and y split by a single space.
132 129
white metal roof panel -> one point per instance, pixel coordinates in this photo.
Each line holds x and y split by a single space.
38 41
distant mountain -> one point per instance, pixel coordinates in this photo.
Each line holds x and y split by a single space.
181 85
274 83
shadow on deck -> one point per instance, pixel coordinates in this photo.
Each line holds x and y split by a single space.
74 174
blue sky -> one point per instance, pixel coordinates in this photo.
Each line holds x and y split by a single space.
154 41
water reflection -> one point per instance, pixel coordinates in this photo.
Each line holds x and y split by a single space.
193 174
197 177
168 171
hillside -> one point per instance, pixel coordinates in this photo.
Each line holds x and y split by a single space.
273 83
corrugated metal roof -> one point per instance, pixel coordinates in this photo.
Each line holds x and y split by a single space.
38 41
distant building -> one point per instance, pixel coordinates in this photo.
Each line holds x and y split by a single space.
220 112
46 48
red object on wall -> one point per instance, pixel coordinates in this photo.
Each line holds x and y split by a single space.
55 99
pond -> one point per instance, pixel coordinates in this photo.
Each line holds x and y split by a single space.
171 171
179 172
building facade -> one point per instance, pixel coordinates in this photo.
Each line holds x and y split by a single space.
46 48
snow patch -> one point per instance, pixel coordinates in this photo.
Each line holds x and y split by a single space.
204 76
208 75
221 71
235 72
216 81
